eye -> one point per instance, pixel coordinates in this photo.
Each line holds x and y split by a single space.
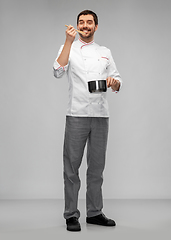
89 22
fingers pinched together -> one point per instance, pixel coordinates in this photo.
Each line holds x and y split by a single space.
70 33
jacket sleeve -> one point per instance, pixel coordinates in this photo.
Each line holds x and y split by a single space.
113 72
59 70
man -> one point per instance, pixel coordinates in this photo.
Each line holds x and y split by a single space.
87 117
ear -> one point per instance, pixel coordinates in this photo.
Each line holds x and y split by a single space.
96 27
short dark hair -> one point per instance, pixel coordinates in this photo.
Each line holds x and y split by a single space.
88 12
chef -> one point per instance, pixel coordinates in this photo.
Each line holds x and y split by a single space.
87 117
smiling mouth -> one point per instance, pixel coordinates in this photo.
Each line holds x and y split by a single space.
85 30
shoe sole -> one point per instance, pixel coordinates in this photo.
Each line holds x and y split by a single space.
74 230
100 224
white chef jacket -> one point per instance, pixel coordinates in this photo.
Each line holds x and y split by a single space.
87 62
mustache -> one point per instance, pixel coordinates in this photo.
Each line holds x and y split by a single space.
85 28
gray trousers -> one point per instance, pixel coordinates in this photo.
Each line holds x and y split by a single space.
78 132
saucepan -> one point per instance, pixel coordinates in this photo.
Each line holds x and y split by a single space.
97 86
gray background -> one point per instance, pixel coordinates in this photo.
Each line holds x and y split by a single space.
33 103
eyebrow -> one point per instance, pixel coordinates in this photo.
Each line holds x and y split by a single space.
87 20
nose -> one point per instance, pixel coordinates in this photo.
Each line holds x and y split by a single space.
85 24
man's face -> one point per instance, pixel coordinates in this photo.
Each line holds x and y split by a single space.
87 25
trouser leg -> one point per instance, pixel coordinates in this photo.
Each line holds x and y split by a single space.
76 133
96 152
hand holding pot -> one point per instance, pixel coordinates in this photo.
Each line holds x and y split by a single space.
113 83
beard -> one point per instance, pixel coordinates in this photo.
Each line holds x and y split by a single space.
88 34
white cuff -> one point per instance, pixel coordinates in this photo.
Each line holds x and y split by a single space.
58 67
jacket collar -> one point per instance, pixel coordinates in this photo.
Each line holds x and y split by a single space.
84 43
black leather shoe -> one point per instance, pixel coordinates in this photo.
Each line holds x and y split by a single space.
73 224
101 220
